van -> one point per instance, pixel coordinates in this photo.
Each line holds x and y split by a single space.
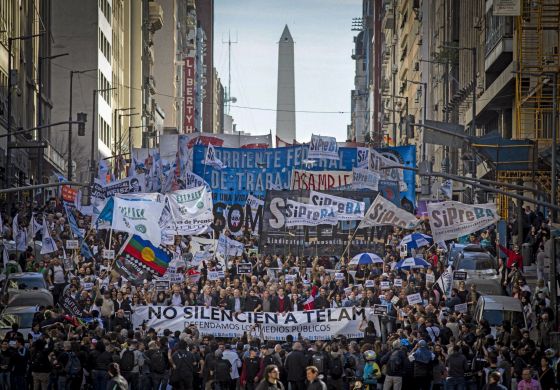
496 309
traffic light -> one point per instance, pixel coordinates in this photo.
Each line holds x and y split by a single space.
82 118
409 127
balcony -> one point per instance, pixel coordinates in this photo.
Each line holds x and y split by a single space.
499 43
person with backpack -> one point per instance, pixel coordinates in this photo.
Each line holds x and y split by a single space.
99 360
71 372
320 359
313 380
250 371
157 362
182 368
336 371
40 365
222 369
394 362
372 373
131 362
422 359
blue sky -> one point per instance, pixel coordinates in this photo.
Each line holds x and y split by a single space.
324 70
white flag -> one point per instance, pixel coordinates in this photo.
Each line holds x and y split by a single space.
19 235
211 158
5 256
382 212
138 217
191 210
49 246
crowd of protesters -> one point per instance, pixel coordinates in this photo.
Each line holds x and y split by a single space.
423 346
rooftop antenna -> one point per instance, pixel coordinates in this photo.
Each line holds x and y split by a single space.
228 98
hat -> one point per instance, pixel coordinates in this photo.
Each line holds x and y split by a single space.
422 343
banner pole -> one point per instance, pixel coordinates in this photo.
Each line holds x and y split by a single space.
349 242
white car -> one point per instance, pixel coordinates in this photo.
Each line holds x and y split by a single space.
21 315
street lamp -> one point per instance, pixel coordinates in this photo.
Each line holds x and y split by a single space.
425 93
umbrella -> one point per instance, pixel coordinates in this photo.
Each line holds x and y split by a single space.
365 258
417 240
412 262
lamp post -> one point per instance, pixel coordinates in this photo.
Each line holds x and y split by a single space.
70 167
424 112
7 173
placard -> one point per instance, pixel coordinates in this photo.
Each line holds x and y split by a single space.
244 268
339 276
369 283
413 299
461 308
108 254
397 282
289 278
215 275
72 244
430 278
395 300
385 285
380 309
87 286
460 275
162 285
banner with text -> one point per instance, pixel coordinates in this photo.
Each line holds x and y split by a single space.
301 214
323 147
346 209
319 181
214 321
365 179
451 220
191 210
382 212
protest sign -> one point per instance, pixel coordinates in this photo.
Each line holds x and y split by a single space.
397 282
87 286
244 268
450 220
108 254
338 276
395 300
346 209
365 179
228 247
369 283
382 212
138 217
72 244
290 278
312 325
215 275
413 299
191 210
380 309
385 285
460 275
162 285
461 308
430 278
70 305
386 167
301 214
323 147
319 180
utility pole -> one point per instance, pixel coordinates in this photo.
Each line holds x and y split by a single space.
229 99
553 173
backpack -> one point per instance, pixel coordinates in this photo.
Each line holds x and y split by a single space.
222 370
318 360
157 364
336 368
73 366
395 363
127 361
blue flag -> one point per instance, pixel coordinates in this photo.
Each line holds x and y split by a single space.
73 224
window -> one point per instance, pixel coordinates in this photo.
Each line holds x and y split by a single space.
104 87
105 9
104 46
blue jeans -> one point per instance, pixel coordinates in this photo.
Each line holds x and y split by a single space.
455 384
99 379
4 380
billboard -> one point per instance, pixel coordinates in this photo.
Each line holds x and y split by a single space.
322 240
189 96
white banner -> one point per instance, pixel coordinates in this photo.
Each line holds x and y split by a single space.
379 163
138 217
451 220
319 180
346 209
365 179
48 244
191 210
214 321
323 147
301 214
193 180
228 247
382 212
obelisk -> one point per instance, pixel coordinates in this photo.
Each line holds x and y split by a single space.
286 95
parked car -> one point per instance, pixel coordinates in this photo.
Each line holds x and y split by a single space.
496 309
21 315
26 287
27 281
476 261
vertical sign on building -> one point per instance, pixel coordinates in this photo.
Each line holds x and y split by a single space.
189 96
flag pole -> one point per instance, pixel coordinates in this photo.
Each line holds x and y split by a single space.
349 242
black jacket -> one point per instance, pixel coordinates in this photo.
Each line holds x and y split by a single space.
398 354
317 384
265 385
295 365
275 304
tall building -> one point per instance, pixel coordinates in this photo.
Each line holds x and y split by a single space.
111 51
286 97
205 18
25 93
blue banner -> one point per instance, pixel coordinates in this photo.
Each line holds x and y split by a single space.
254 171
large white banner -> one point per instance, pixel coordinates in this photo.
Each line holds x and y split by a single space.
301 214
138 217
346 209
365 179
323 147
451 220
191 210
319 180
383 212
383 166
214 321
228 247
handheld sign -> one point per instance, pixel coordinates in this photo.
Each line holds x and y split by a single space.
162 285
108 254
395 300
339 276
461 308
460 275
290 278
413 299
72 244
380 309
430 278
244 268
385 285
369 283
397 282
70 305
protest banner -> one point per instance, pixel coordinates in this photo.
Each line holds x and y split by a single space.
382 212
191 210
385 285
413 299
162 285
385 166
228 247
365 179
380 309
214 321
461 308
70 305
301 214
108 254
450 220
323 147
346 209
138 217
72 244
244 268
319 180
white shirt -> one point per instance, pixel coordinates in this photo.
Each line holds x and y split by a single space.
235 362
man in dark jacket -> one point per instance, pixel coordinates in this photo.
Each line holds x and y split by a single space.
182 362
394 362
280 303
296 361
456 368
321 301
313 381
250 371
237 302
